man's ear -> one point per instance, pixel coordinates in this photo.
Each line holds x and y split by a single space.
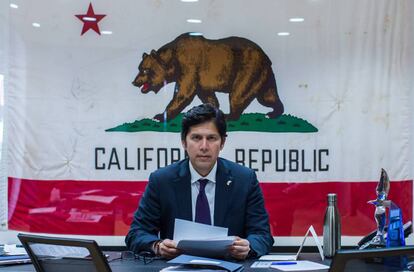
184 144
223 141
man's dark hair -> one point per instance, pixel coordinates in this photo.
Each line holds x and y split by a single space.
201 114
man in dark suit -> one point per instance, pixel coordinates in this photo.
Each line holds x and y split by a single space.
205 189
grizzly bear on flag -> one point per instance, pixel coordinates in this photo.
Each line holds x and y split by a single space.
201 67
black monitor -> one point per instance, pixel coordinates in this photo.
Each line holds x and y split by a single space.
378 259
64 254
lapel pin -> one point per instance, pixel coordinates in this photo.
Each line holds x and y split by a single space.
228 182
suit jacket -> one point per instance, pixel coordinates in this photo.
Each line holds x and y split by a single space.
239 206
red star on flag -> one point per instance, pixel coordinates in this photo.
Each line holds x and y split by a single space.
90 20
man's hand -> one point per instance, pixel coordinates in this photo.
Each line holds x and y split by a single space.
168 249
240 248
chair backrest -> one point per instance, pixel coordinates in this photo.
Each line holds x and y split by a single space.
64 254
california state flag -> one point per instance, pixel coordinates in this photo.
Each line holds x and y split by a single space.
81 141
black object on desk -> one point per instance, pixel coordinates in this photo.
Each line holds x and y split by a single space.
64 254
378 259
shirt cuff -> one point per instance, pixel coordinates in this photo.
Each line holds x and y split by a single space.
155 247
252 254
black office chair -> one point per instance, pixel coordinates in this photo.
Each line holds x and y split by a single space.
50 254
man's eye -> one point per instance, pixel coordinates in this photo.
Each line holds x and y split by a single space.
196 137
212 138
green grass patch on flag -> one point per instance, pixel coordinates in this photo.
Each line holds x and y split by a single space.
247 122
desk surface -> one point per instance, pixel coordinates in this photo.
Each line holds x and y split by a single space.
155 266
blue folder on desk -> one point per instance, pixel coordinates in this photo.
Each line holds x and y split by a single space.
201 262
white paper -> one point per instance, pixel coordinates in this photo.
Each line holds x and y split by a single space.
279 257
300 266
182 268
200 239
293 257
259 264
204 262
14 250
189 230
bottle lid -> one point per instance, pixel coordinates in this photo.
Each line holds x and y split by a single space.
331 197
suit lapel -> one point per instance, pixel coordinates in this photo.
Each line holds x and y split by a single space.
182 188
224 189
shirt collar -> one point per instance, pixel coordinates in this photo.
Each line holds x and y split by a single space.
195 176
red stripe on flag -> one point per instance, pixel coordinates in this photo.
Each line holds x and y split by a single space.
293 207
107 207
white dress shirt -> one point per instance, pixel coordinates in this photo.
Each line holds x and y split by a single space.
210 188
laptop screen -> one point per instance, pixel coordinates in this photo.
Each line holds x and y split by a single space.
383 259
64 254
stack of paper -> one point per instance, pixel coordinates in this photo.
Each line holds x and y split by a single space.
202 240
12 250
11 254
181 268
290 265
14 259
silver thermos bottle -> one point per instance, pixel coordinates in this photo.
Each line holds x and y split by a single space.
331 228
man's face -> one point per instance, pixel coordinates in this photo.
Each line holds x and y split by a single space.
203 144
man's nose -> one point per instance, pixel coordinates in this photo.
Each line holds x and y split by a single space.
204 144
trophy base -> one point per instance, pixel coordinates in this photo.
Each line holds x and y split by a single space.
377 242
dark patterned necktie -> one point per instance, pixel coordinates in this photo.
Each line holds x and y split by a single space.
202 214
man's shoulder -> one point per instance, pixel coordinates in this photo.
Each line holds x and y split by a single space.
172 170
235 167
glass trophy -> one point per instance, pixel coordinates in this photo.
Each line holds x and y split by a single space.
394 235
395 231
